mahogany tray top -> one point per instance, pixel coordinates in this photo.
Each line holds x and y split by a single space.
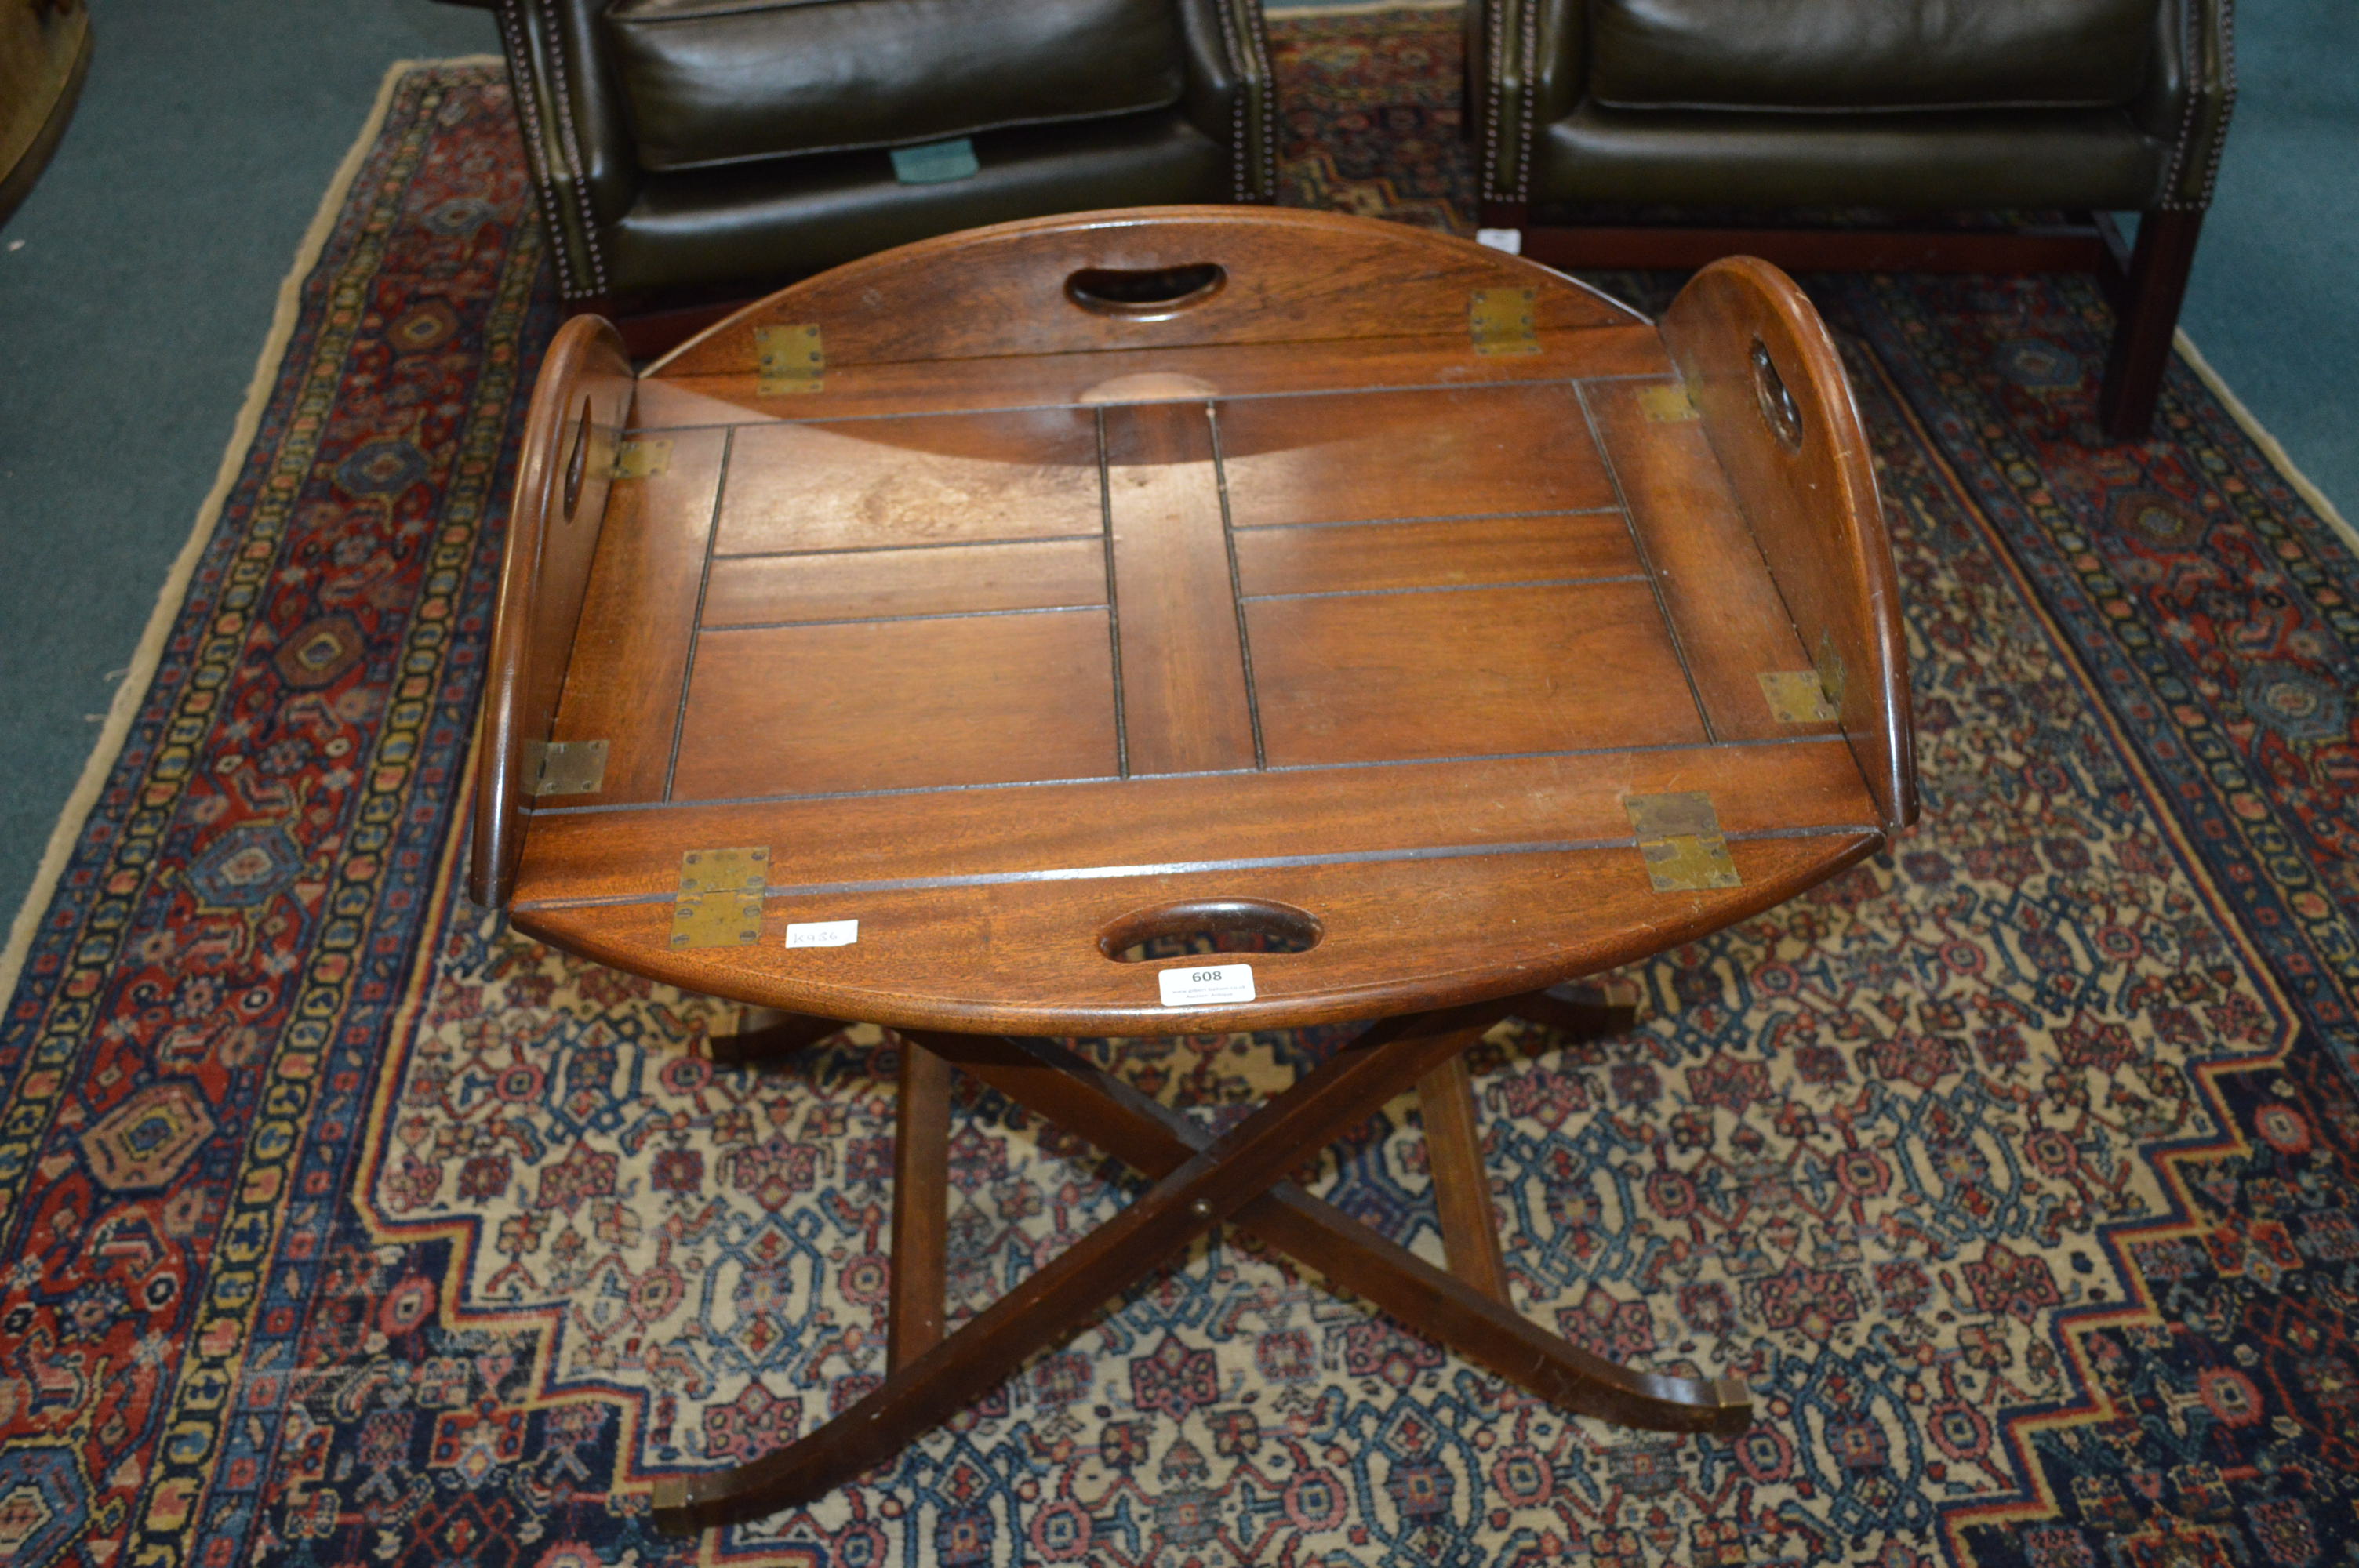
1029 594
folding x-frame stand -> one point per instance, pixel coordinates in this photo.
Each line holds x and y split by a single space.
1199 1181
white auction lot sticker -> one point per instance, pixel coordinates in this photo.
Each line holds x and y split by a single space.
1194 987
823 934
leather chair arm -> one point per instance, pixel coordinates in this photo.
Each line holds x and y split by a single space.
1229 94
1526 67
576 143
2189 93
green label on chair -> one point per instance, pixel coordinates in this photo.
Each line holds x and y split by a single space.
935 162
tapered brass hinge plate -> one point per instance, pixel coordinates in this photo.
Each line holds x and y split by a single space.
566 767
789 359
1795 696
641 460
1505 321
1679 836
1667 404
1831 671
720 899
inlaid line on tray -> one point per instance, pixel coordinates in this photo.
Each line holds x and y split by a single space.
877 620
696 622
883 549
1216 397
1439 517
1236 584
670 805
1112 609
1662 606
1190 868
1455 586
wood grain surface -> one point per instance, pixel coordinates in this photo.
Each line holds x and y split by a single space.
638 618
1436 362
1038 628
579 406
1292 277
1475 451
1184 702
1031 619
1812 504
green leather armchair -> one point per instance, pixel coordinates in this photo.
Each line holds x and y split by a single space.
2094 106
718 147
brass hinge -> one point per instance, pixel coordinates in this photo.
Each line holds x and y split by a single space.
1830 670
1669 405
720 899
641 460
1505 321
566 767
1797 697
1679 835
790 360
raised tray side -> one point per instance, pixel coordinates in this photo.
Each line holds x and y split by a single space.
579 406
1778 411
1285 276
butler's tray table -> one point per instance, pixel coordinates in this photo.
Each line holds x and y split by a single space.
916 645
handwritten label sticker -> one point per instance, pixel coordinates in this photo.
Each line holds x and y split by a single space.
1199 985
823 934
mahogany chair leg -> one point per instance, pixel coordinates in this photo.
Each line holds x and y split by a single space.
1462 1190
921 1161
767 1034
2156 289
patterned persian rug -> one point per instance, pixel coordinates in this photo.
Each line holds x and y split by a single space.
2015 1171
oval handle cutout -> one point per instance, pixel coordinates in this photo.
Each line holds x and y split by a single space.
1223 924
577 466
1146 293
1779 409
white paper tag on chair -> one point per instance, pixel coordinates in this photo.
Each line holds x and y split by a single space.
1508 240
1200 986
823 934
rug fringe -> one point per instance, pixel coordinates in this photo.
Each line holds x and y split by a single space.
133 690
2269 445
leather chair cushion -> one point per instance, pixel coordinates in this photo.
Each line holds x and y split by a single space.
743 223
706 83
1964 159
1837 56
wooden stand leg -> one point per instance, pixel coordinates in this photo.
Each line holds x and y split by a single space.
766 1034
1155 1139
2149 316
921 1161
1199 1181
1328 1101
1462 1190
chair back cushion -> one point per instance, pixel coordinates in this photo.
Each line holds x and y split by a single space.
719 81
1836 56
